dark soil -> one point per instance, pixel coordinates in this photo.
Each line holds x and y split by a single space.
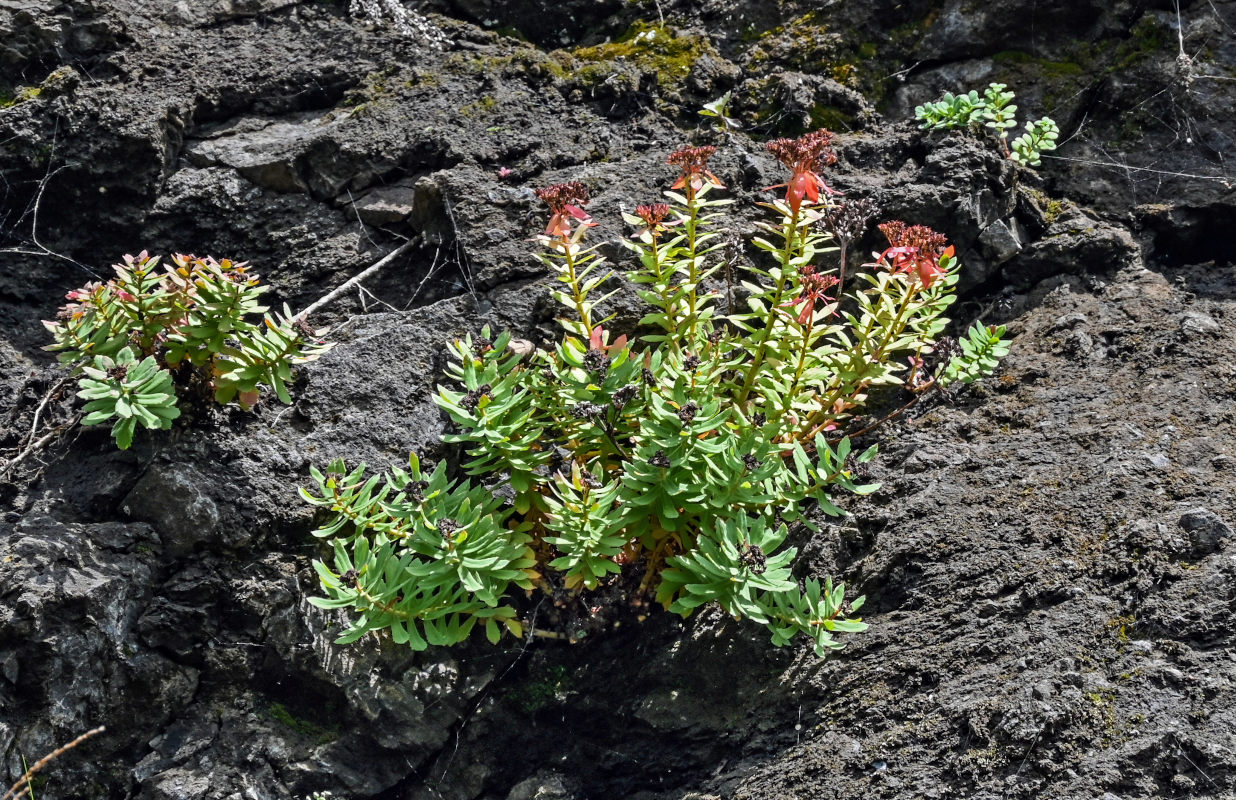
1050 566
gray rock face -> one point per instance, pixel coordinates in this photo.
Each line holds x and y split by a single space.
172 498
1000 241
299 155
37 32
1207 532
547 23
1076 242
387 206
72 651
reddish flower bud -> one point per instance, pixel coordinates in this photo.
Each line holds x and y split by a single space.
814 286
805 157
565 200
693 161
652 215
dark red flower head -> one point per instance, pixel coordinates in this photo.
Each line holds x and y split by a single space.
693 161
652 215
565 200
924 239
810 152
814 282
814 286
805 157
561 195
915 248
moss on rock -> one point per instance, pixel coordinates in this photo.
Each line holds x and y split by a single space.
650 47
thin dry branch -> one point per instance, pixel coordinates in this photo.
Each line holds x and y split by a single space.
43 250
45 760
348 284
56 388
36 446
460 256
29 443
1130 168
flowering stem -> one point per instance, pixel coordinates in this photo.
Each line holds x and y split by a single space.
693 210
142 314
668 303
898 325
798 371
844 246
110 313
814 421
787 255
577 294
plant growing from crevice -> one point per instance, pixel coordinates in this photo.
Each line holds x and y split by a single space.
141 340
719 110
993 109
671 469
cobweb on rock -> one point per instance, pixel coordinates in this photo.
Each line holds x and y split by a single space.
403 19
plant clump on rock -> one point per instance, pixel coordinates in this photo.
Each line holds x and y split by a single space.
127 339
993 109
673 470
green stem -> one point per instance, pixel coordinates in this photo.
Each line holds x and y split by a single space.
798 371
79 344
814 423
577 295
898 325
761 348
107 310
693 210
608 430
666 292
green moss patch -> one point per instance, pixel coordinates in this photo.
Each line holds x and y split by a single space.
18 94
650 47
545 688
319 734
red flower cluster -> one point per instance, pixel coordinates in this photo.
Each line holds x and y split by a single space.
814 286
915 248
805 157
565 200
693 161
652 215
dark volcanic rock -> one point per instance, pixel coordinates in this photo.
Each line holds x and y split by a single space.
1207 532
1075 243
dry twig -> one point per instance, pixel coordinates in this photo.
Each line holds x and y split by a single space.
38 445
42 762
343 288
30 444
